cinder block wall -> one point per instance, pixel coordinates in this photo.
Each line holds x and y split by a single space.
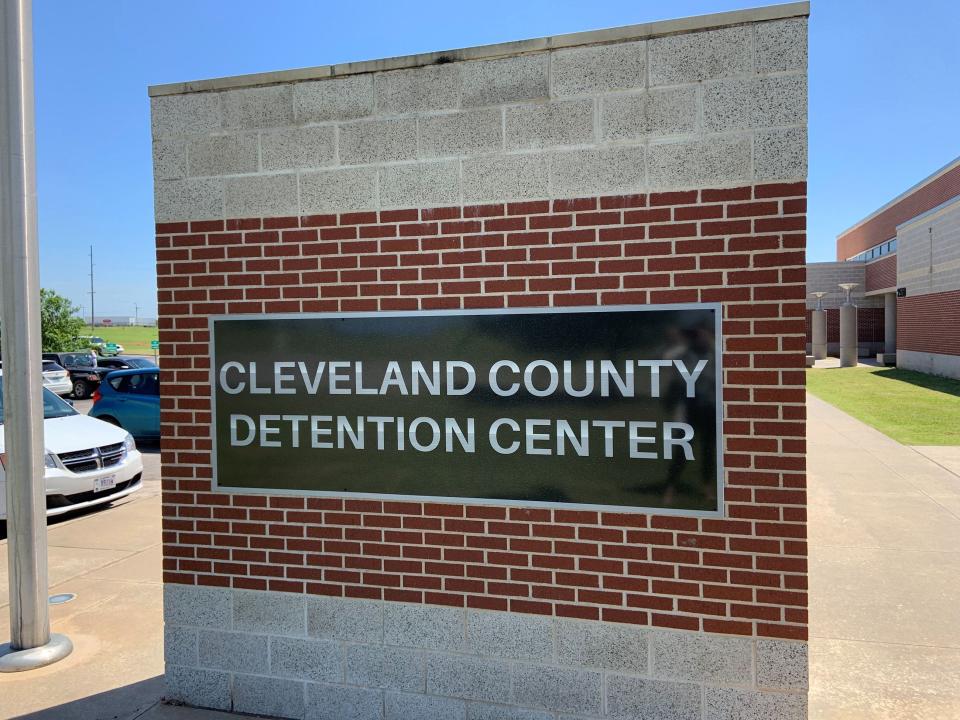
651 164
928 317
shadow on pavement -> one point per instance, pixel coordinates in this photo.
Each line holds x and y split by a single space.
122 703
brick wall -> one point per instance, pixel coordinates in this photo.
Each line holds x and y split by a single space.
743 247
929 323
881 274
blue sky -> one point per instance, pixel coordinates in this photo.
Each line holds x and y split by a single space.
884 100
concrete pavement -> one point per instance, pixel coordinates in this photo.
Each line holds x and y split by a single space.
884 575
884 583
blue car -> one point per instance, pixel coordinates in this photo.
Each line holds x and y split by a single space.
131 400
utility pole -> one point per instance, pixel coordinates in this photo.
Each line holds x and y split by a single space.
136 314
93 315
31 643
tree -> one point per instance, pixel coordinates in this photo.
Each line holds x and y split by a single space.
59 322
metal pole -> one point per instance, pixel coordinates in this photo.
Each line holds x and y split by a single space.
31 643
93 313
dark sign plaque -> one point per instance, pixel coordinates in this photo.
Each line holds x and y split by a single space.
612 407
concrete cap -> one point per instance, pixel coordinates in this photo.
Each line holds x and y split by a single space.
618 34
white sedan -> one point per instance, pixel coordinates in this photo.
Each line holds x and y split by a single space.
88 462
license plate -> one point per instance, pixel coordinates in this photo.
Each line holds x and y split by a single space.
104 483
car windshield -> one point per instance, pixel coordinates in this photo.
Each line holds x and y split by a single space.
50 366
78 359
95 339
53 407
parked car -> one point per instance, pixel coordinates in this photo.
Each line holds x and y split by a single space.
88 462
85 376
54 377
125 363
100 345
131 400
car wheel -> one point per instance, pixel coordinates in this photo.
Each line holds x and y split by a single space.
81 389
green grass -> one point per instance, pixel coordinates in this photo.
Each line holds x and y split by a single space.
911 407
135 340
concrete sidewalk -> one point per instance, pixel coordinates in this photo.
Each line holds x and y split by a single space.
884 574
884 589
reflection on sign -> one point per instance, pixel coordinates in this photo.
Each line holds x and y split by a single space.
600 407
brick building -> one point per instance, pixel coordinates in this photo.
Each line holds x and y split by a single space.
905 259
653 164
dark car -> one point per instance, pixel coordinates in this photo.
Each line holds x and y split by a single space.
131 400
125 362
84 373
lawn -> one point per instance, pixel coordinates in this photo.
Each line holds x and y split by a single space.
912 408
135 340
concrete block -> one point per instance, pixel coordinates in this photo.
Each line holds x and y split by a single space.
260 107
435 87
713 161
401 706
268 612
204 688
692 57
301 147
222 155
638 116
386 667
169 159
599 68
510 635
260 195
742 104
275 697
731 704
485 711
180 645
193 114
550 124
780 154
632 698
314 660
335 702
469 678
197 605
416 185
552 688
597 172
373 141
345 98
191 199
430 627
782 45
506 177
702 658
342 190
782 664
602 645
239 652
462 133
344 619
513 79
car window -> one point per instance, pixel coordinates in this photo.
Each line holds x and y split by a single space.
144 384
53 407
140 362
51 366
98 340
120 384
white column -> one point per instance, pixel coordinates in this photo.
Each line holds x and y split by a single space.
818 328
848 335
